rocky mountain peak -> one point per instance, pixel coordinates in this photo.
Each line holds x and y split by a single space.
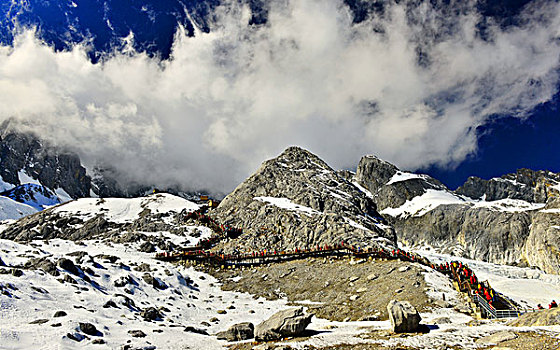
23 155
525 184
373 173
297 200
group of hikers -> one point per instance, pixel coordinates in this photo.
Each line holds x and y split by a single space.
552 305
465 277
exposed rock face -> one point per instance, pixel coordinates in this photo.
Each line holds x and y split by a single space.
403 316
389 190
495 220
287 323
237 332
478 233
541 318
542 247
525 184
297 200
53 167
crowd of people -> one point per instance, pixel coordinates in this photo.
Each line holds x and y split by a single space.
465 277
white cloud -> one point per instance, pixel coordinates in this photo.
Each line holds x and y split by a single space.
231 98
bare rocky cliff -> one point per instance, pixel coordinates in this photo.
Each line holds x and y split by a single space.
501 220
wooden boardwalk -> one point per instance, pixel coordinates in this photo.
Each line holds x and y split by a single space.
489 302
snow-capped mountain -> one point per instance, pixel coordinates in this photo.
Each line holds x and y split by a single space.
491 220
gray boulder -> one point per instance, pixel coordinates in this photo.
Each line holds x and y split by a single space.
68 265
89 329
287 323
42 264
237 332
403 316
150 314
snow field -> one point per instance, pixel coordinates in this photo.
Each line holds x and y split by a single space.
189 303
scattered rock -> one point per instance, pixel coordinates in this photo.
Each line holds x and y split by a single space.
110 258
222 312
283 324
147 247
98 341
148 278
68 265
137 333
403 268
56 325
143 268
39 321
372 277
353 279
150 314
497 338
192 329
240 331
16 272
123 281
60 313
354 297
2 263
109 304
76 336
89 329
42 264
403 316
69 279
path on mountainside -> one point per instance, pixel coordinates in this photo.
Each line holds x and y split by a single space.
491 303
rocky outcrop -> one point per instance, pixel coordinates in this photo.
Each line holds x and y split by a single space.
296 200
477 233
495 220
403 316
90 218
283 324
525 184
542 247
53 167
549 317
389 186
237 332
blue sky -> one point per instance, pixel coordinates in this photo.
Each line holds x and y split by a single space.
191 93
509 144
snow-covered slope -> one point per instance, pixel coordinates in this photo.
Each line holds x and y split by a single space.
186 298
124 210
12 210
88 218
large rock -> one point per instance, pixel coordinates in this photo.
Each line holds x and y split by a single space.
296 201
287 323
540 318
68 265
237 332
403 316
